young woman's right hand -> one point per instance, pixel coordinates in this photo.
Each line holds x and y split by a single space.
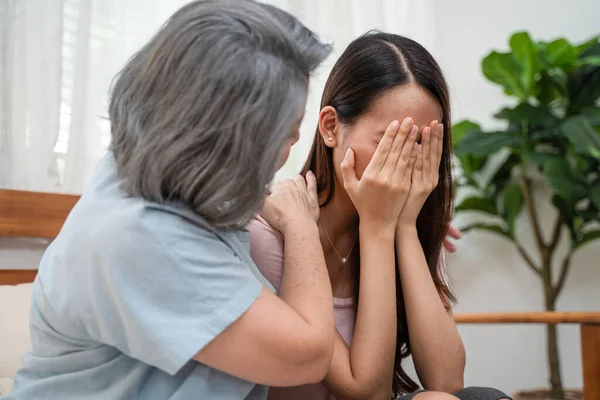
292 200
381 192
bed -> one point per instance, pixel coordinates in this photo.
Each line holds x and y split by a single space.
41 215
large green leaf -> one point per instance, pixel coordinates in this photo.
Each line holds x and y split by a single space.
591 60
540 117
551 86
525 53
586 238
568 212
497 229
583 47
471 163
562 180
584 87
539 157
592 114
501 174
595 193
483 144
460 129
513 202
592 50
477 204
503 69
561 53
580 133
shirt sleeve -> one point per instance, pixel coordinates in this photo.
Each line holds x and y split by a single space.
266 249
166 289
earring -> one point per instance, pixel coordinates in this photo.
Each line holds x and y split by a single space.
330 139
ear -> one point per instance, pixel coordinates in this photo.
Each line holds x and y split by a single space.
329 126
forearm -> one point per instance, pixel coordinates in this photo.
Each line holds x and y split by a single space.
366 369
305 285
437 348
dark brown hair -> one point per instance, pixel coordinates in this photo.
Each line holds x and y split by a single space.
371 65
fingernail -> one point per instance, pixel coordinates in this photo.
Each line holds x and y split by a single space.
310 173
407 122
420 148
347 154
414 130
394 125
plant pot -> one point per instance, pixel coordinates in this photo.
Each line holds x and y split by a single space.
545 394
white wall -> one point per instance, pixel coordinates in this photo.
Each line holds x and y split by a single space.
487 272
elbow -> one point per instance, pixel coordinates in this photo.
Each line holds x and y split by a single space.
322 350
315 359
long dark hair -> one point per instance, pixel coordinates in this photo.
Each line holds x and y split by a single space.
371 65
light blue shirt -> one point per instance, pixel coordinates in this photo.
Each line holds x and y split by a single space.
127 294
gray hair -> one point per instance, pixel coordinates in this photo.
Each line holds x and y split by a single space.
200 114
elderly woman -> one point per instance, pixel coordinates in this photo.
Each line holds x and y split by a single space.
149 291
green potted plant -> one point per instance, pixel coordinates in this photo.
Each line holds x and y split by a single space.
551 137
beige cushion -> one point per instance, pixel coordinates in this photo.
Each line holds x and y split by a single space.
14 330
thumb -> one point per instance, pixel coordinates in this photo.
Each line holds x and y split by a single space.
348 172
311 184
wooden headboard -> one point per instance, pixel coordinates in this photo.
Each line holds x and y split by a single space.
33 215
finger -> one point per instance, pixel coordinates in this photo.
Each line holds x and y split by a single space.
311 182
417 172
348 172
299 182
440 146
276 186
449 246
402 165
433 150
383 148
426 149
311 186
412 161
399 144
454 232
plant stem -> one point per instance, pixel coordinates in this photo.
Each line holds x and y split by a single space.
528 260
554 362
556 232
564 271
551 292
533 217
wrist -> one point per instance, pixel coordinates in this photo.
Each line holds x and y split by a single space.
405 227
307 225
380 231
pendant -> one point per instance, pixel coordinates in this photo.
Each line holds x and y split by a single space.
344 260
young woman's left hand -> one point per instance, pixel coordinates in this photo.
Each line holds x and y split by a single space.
453 233
425 174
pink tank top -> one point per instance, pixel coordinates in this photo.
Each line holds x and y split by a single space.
266 249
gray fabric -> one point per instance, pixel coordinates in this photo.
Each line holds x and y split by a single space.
469 393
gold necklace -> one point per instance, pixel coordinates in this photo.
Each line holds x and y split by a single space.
342 259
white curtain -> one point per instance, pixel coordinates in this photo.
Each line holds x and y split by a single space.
57 58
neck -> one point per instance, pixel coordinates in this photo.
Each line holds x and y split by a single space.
339 217
339 235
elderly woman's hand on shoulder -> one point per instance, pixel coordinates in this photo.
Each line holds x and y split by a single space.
292 201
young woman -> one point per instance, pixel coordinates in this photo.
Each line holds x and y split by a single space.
382 234
149 292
